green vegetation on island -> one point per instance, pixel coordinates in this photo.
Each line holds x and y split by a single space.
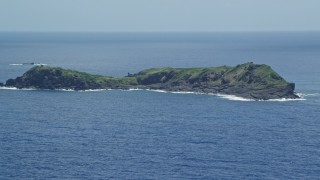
246 80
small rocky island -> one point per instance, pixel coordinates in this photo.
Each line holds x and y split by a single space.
247 80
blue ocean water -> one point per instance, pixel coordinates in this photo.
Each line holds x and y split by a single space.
152 135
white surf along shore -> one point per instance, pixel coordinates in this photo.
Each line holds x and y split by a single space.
224 96
27 64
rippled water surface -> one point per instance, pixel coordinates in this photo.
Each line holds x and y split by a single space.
156 135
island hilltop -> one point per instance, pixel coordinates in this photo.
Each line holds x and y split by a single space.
246 80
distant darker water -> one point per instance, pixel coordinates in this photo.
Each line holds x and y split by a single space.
152 135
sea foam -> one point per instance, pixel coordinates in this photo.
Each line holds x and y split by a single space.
14 88
284 100
28 64
224 96
157 90
233 97
93 90
186 92
134 89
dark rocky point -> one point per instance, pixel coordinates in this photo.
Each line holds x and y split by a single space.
246 80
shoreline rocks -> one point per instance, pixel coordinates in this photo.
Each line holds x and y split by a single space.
247 80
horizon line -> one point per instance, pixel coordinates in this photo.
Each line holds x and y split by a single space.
222 31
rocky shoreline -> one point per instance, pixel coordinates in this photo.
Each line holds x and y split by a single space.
247 80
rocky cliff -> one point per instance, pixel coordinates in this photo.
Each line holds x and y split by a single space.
246 80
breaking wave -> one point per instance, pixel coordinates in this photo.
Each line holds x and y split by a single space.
88 90
174 92
233 97
284 100
14 88
94 90
186 92
223 96
128 89
237 98
27 64
155 90
68 90
40 64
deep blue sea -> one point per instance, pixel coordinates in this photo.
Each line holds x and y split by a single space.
118 134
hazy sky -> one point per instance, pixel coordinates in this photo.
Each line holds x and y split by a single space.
159 15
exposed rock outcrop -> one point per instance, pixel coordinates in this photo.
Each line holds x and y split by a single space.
246 80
